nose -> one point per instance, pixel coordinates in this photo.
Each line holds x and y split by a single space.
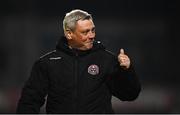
91 35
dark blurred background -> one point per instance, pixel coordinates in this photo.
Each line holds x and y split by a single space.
146 29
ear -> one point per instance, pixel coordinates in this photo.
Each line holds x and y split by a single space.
68 34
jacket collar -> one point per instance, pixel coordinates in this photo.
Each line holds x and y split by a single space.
62 45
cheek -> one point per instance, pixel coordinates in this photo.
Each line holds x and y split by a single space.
82 38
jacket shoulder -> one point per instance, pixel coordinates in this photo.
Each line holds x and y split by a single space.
109 53
47 55
45 58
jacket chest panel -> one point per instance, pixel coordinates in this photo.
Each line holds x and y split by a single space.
77 72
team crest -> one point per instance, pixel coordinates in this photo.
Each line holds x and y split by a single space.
93 69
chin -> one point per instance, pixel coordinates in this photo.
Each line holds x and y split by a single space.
90 46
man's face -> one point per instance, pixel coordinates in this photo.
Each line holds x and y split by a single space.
83 36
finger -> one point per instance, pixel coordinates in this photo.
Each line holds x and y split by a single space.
121 51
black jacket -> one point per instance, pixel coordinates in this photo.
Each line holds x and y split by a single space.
75 81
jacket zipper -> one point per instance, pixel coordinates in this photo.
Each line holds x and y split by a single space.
76 83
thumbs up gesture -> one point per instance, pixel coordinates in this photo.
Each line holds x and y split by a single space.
123 59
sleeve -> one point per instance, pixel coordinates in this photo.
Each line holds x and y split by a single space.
34 91
123 84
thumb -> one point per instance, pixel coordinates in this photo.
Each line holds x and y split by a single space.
121 51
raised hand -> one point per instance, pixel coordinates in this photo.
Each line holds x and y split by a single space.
123 59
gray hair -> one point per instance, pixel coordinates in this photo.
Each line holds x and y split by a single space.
71 18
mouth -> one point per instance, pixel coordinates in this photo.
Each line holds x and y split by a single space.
89 44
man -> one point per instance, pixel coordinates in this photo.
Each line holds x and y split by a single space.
80 76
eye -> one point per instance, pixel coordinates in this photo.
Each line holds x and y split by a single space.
85 32
93 30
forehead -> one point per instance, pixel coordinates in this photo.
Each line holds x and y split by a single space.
84 24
